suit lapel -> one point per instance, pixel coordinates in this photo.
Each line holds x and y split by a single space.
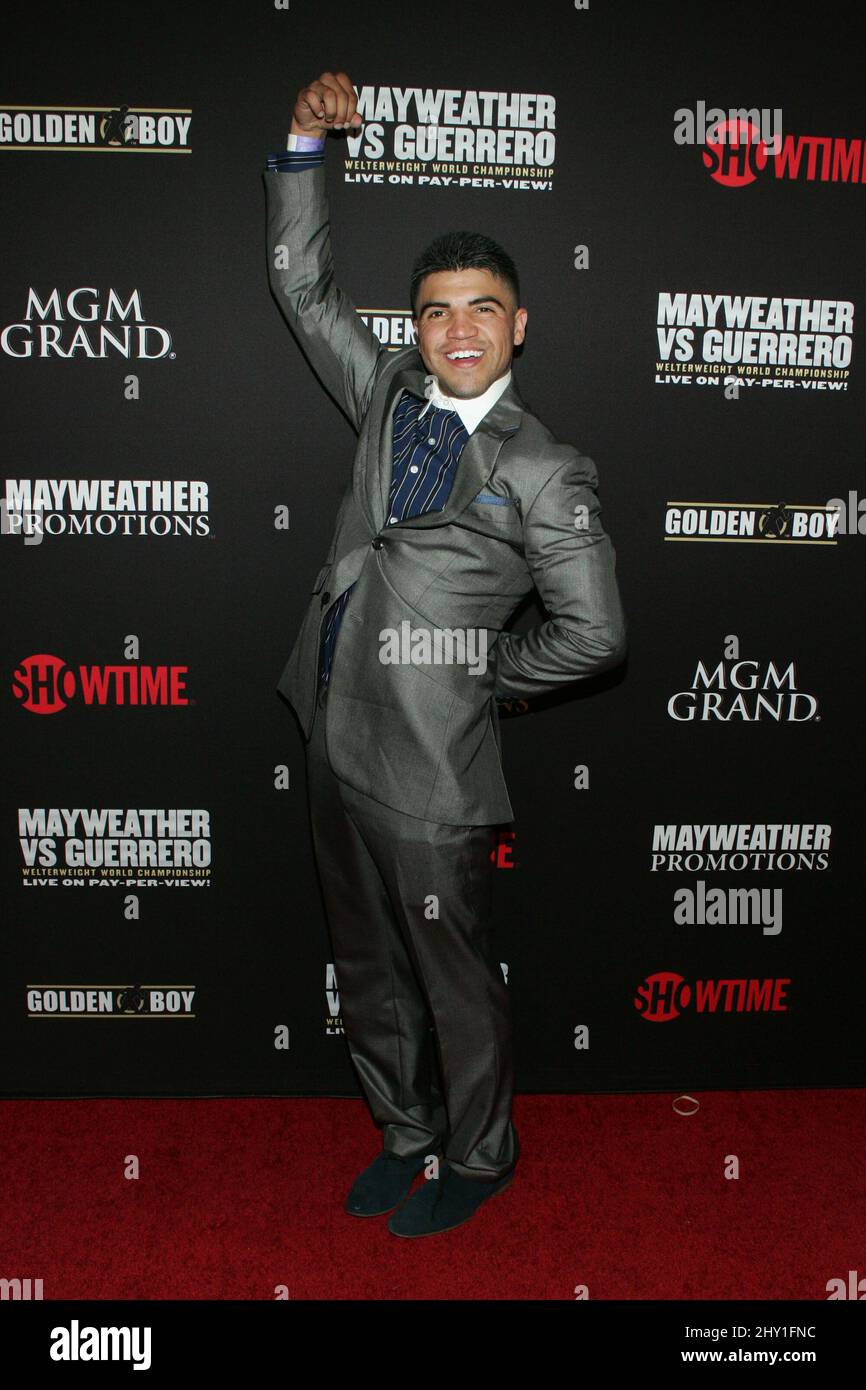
476 463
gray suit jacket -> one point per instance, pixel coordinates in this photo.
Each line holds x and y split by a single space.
424 738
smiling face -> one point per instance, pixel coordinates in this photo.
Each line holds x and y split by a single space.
471 313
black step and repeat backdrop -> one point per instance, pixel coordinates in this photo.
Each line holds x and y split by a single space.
682 188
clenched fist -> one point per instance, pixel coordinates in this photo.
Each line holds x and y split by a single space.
329 103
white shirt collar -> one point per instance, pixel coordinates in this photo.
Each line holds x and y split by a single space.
471 411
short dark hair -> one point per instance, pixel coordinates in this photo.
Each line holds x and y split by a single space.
463 251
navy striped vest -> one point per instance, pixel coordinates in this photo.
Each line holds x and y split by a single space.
426 454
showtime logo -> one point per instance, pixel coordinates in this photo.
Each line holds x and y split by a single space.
665 995
45 684
502 853
735 154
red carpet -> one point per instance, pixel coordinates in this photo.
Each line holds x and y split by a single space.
619 1193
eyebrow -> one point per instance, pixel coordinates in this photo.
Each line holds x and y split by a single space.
446 303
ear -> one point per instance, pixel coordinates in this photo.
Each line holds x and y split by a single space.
520 317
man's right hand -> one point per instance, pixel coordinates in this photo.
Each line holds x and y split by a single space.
329 103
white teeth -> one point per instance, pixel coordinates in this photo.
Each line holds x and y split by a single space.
467 352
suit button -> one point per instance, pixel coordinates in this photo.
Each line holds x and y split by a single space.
325 597
377 543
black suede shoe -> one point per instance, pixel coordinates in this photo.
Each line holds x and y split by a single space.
442 1203
383 1185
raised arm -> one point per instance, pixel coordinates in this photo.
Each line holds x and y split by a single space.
342 350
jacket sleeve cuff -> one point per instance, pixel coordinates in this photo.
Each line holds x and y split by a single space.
301 152
285 160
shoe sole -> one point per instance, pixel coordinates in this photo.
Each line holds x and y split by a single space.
384 1210
440 1230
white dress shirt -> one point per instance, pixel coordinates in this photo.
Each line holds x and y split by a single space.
471 411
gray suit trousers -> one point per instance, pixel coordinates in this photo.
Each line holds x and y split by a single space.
424 1004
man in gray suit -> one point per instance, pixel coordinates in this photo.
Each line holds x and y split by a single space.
460 502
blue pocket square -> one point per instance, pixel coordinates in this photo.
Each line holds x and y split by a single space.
491 497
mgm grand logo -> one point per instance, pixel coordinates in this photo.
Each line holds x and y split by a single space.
86 323
744 690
